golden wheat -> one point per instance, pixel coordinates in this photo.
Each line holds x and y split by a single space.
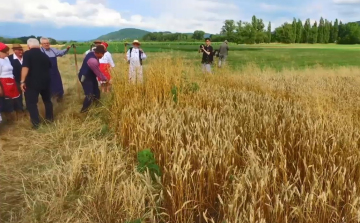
248 146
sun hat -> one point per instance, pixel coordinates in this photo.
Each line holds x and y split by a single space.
136 41
97 41
16 46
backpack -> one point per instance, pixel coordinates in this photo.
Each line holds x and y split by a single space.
139 55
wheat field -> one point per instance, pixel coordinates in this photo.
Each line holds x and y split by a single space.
237 146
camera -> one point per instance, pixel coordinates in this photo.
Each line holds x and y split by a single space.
202 45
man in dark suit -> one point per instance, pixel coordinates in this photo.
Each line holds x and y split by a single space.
35 81
16 60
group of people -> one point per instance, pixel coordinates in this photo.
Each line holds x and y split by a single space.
208 55
35 72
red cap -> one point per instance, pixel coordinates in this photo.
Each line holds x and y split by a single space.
105 44
2 46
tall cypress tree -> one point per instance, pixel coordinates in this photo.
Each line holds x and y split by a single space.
299 31
314 33
331 39
321 31
327 31
294 30
269 33
307 31
335 30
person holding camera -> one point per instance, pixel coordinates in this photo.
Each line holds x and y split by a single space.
208 55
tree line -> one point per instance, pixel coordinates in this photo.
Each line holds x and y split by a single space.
253 32
324 31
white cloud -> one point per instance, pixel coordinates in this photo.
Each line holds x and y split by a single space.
182 16
173 15
347 1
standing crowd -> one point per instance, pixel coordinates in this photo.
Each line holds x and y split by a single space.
35 72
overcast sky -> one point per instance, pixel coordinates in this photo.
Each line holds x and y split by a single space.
88 19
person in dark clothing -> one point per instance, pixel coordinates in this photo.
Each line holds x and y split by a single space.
208 56
16 60
35 81
89 72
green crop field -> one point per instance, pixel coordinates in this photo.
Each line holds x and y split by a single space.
276 56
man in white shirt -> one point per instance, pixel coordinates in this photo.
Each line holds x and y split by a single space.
135 55
96 43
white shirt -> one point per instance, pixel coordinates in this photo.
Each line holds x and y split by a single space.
6 70
16 58
107 58
134 60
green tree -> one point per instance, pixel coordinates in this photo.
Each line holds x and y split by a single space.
285 34
320 36
228 30
331 38
314 33
307 31
335 30
248 33
299 32
294 30
269 33
350 33
198 35
327 30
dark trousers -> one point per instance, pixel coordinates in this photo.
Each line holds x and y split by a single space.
20 105
32 98
92 93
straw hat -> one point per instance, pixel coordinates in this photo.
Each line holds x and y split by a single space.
16 46
136 41
98 41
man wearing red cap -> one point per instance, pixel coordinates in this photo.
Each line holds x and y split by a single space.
106 63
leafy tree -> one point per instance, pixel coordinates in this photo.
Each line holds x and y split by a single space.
228 30
307 32
327 30
285 33
269 33
294 30
350 33
260 31
320 37
314 33
335 31
198 35
299 31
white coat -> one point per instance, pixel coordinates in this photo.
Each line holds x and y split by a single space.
135 68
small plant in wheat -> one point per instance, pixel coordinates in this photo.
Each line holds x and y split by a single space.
174 92
146 161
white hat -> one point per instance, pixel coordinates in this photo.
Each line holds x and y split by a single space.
136 41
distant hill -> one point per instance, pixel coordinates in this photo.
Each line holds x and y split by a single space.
358 22
128 33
